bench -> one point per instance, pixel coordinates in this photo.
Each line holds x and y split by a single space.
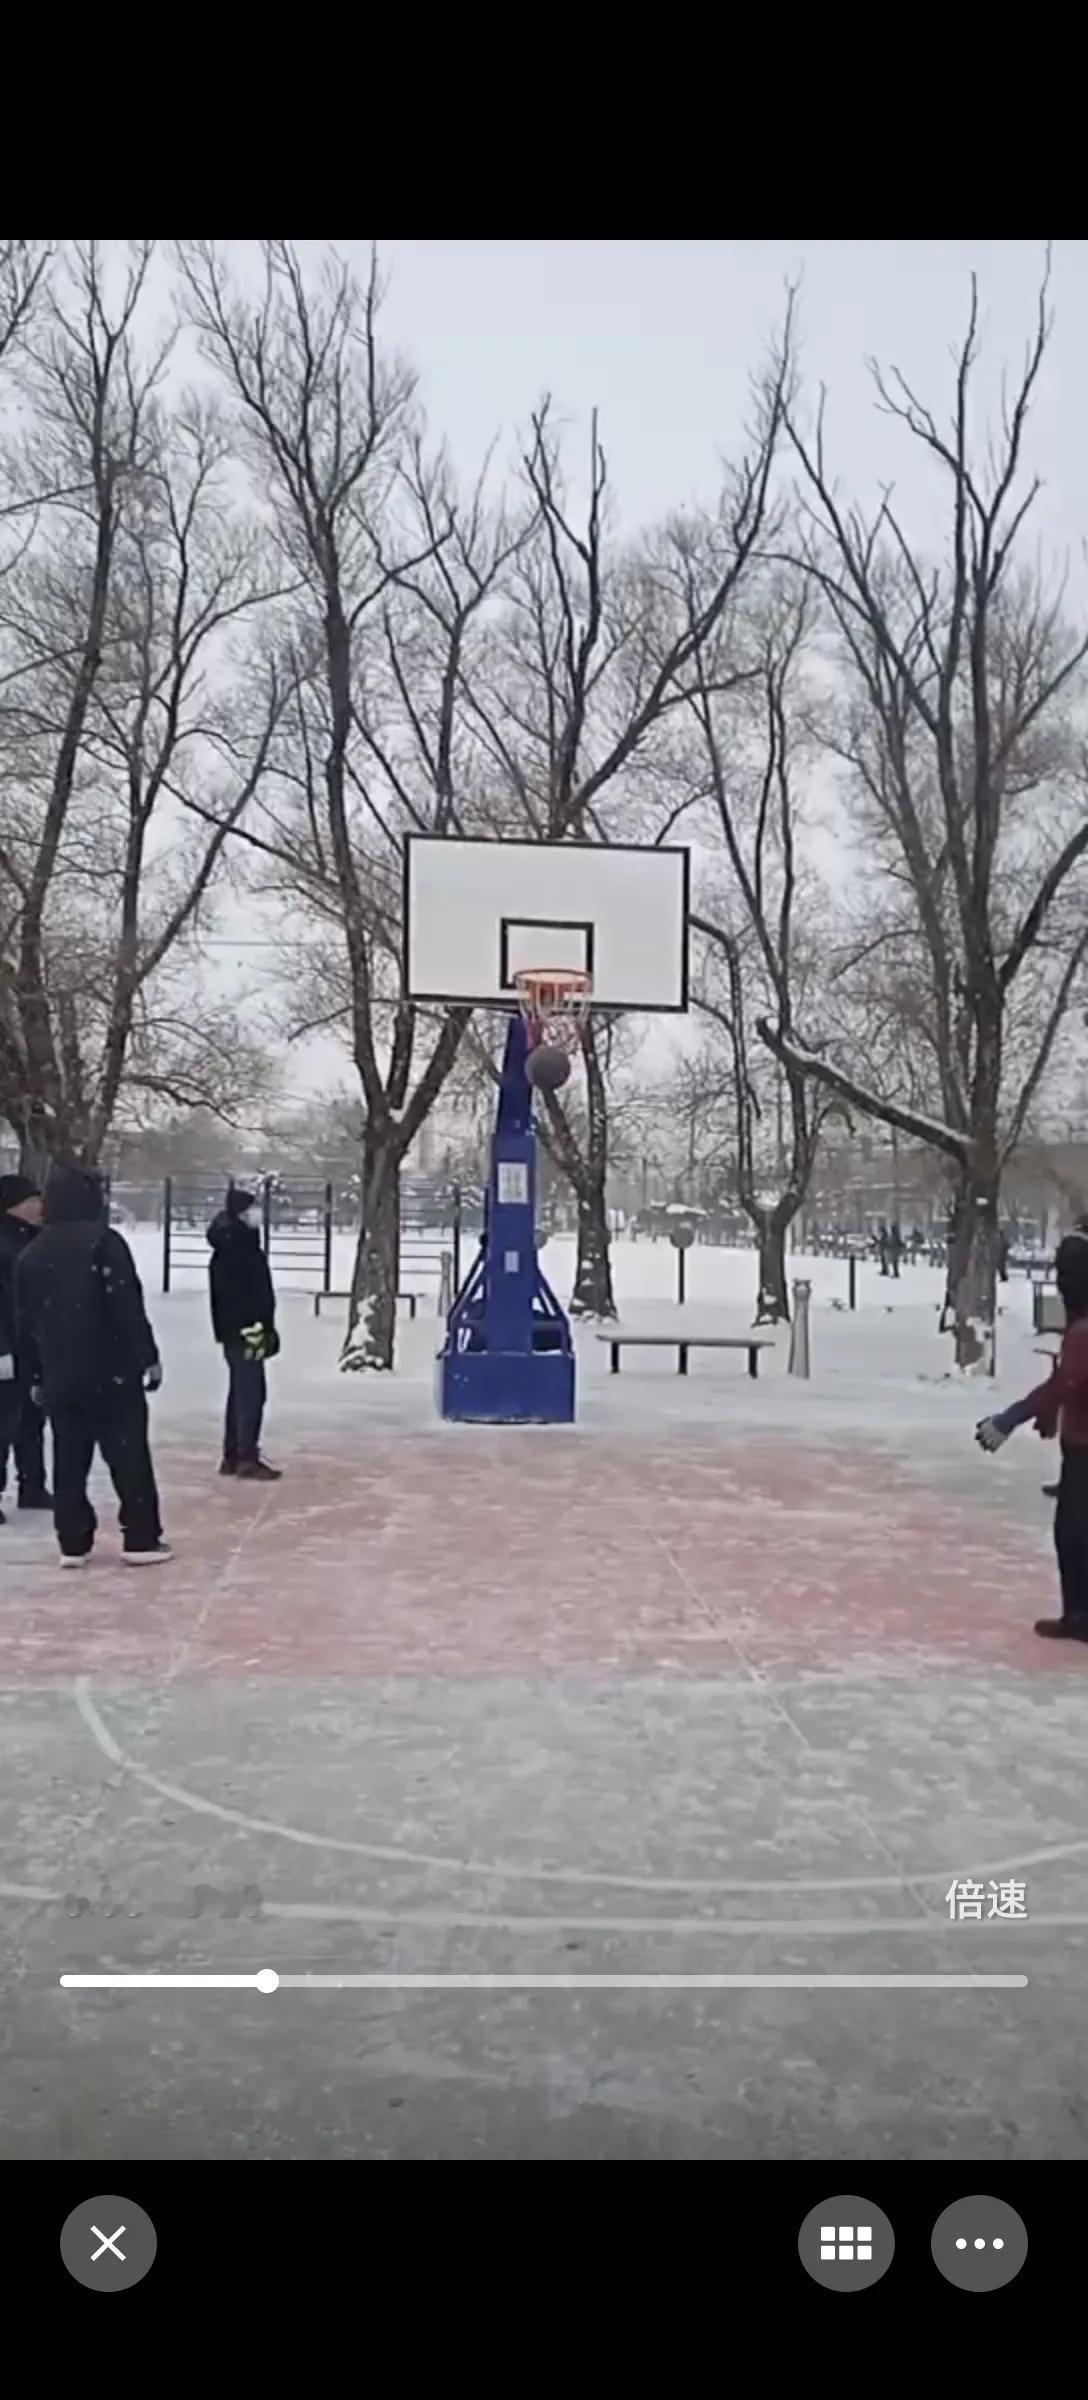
413 1299
753 1343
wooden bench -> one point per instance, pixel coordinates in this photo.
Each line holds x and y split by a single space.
413 1299
753 1343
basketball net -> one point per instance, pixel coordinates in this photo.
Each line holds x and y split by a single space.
555 1003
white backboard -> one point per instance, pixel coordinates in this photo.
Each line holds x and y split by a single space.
476 911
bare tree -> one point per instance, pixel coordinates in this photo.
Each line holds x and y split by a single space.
750 749
395 571
587 668
187 1053
124 764
961 739
683 1119
23 270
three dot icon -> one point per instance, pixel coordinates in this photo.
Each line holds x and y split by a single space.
979 2243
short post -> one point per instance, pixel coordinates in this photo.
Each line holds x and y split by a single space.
266 1214
456 1237
327 1260
682 1237
445 1284
852 1279
799 1343
167 1222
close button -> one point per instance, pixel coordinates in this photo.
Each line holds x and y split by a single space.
107 2243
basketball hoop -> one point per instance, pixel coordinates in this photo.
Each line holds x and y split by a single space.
555 1003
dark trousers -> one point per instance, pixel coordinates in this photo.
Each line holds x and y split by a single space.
114 1420
245 1407
22 1429
1071 1533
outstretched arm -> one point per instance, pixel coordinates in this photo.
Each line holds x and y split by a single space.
1067 1384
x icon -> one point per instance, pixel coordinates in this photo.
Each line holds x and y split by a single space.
108 2241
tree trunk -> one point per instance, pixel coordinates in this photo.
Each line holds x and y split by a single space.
44 1142
970 1301
773 1303
372 1309
33 1159
592 1295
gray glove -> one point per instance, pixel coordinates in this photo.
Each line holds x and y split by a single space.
153 1377
991 1433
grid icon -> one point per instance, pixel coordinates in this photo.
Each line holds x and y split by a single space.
845 2244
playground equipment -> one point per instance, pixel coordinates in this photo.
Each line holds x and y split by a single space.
610 928
296 1229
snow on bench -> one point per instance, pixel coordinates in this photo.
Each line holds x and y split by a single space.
753 1343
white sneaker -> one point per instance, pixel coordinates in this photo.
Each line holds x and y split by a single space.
147 1558
82 1561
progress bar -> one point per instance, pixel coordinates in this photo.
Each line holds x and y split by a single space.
267 1980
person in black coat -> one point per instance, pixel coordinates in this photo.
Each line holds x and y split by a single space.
84 1341
21 1427
244 1322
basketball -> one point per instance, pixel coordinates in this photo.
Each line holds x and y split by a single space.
547 1068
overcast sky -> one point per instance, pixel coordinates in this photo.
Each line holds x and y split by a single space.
662 338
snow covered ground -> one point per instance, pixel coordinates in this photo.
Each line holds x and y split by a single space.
884 1368
729 1677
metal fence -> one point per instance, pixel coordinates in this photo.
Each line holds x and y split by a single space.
301 1220
296 1231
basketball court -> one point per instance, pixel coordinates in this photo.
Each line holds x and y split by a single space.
544 1725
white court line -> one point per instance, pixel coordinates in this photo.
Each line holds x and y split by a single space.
266 1980
507 1870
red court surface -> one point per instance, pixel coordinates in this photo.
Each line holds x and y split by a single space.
726 1679
435 1556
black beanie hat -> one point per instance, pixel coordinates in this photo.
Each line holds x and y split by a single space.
238 1201
73 1196
14 1188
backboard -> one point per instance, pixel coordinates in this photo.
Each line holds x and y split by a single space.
476 910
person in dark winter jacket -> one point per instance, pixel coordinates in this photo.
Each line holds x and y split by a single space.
1061 1404
244 1322
84 1339
21 1427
